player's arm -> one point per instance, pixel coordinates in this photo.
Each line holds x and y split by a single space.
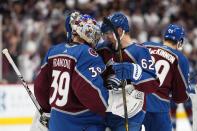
133 72
36 123
148 82
88 83
42 85
181 80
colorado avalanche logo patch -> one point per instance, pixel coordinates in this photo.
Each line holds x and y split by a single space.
92 52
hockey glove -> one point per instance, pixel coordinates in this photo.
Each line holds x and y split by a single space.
40 123
114 84
44 119
128 71
191 89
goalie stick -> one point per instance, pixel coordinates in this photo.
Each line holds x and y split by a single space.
123 83
10 60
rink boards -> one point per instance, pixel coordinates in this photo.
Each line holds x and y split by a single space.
16 106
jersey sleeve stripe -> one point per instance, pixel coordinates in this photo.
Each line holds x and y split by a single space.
130 55
145 80
96 88
162 99
70 113
183 78
63 55
44 65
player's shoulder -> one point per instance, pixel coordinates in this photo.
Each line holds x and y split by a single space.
152 44
88 56
180 56
84 49
137 48
73 49
52 51
56 49
137 51
85 52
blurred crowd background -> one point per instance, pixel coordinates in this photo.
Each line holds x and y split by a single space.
30 27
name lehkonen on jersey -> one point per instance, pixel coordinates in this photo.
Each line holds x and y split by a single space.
61 62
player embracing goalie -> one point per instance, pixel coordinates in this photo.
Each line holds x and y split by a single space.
82 89
69 85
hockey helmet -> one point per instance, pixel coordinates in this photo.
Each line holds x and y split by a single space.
175 33
118 19
83 25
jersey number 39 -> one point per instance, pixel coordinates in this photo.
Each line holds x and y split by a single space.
61 87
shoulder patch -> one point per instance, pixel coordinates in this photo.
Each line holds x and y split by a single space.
92 52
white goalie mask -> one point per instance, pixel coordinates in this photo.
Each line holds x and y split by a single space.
86 27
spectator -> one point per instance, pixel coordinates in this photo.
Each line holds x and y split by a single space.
45 20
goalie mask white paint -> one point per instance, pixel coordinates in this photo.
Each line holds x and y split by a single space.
86 27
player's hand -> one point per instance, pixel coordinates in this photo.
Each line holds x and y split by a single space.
114 84
40 123
191 89
127 70
44 119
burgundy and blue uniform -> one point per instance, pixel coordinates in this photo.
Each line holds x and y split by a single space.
173 70
134 53
69 86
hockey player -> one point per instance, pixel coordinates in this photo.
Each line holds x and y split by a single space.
132 53
173 71
187 105
194 101
69 85
173 110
